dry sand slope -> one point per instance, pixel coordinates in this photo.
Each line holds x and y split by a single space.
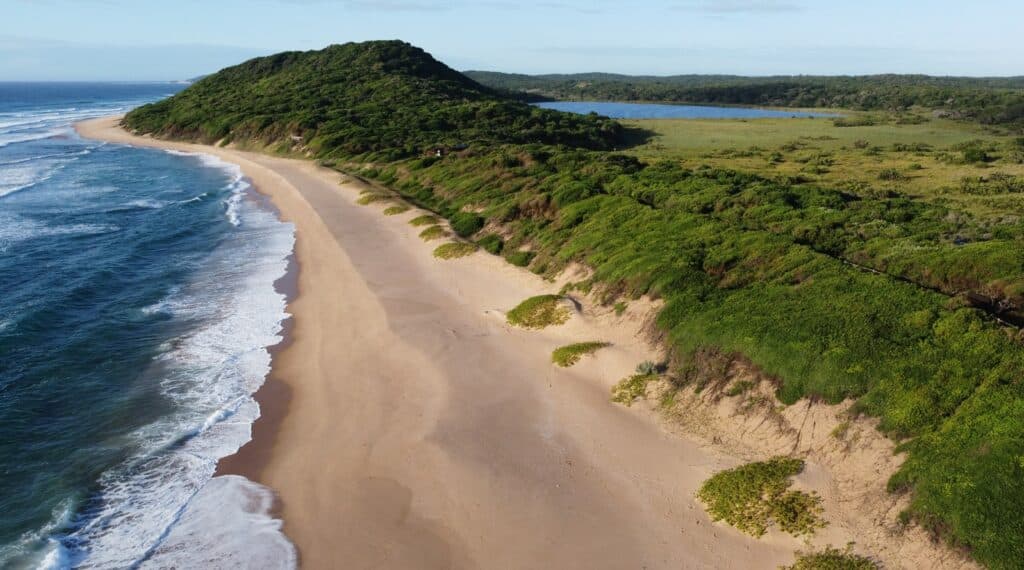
418 430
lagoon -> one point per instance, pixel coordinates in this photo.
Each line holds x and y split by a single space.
619 110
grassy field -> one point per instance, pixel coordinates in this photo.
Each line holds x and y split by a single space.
922 160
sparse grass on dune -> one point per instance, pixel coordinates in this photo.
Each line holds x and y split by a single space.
570 354
370 197
433 232
754 496
424 220
454 250
395 210
831 558
631 388
539 312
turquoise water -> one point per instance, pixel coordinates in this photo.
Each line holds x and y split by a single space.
137 305
659 111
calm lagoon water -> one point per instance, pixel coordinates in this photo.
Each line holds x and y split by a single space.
658 111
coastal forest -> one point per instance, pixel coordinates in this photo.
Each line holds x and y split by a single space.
842 261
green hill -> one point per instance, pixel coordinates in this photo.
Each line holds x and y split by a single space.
357 98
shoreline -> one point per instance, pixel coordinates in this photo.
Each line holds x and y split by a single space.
404 424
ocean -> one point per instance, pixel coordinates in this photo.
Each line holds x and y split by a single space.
137 305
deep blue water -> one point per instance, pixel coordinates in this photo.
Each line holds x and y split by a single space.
659 111
136 303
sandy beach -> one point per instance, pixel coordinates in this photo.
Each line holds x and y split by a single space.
406 425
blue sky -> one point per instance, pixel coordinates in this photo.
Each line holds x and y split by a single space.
160 39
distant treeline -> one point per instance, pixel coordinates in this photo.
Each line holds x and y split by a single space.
997 100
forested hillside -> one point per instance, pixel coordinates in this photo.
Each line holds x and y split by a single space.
384 96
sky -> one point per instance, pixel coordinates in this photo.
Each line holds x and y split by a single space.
153 40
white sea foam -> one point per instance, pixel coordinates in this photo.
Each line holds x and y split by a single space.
226 525
163 509
146 204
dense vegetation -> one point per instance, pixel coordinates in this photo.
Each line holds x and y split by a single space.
988 100
757 495
386 97
836 291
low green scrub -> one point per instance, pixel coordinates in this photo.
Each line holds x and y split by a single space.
754 496
395 210
570 354
466 224
539 312
454 250
832 558
491 243
629 389
424 220
520 258
433 232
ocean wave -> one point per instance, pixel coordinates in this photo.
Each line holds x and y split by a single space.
14 138
23 176
41 549
150 508
238 184
15 229
141 204
226 525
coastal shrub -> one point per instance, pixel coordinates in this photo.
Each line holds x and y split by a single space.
466 224
831 558
432 233
630 388
424 220
975 155
539 312
454 250
620 308
395 210
520 258
752 497
570 354
646 368
492 243
890 174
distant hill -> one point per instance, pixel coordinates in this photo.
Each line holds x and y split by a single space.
994 100
380 96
